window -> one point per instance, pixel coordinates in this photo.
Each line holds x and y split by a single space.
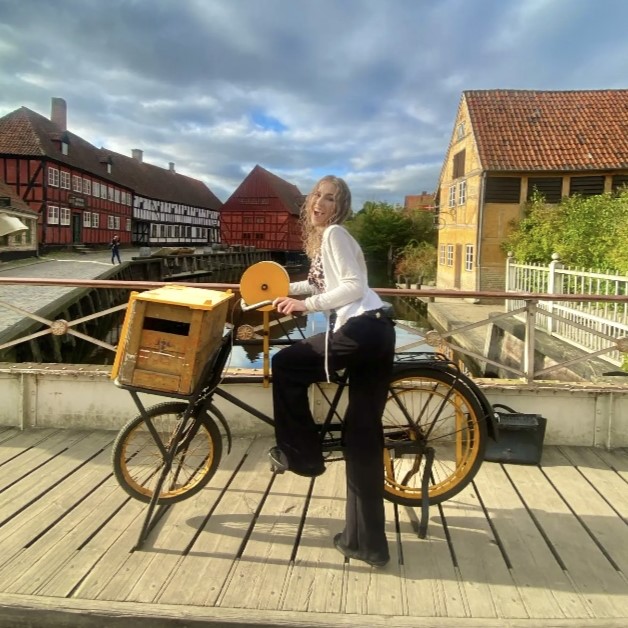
116 223
460 131
153 231
53 215
77 183
259 236
103 191
450 255
65 180
110 222
87 186
442 254
170 231
550 187
95 220
468 257
65 148
459 164
452 196
586 186
53 177
110 194
87 219
128 224
503 190
462 192
65 215
96 189
619 180
116 196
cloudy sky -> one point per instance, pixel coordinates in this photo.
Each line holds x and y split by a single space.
366 89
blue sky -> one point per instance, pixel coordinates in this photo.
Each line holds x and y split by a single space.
367 89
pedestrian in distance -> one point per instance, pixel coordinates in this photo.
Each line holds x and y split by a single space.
360 337
115 249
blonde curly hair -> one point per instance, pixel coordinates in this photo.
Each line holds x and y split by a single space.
313 236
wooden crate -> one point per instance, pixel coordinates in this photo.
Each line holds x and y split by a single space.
167 336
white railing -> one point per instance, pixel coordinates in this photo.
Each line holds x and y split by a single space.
590 325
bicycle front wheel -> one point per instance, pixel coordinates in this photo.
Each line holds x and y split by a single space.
138 454
430 407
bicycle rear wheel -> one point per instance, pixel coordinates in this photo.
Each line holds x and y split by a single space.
430 407
138 461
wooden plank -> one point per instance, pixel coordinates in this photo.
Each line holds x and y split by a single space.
431 582
146 572
593 576
488 584
602 471
544 587
15 441
606 527
383 585
315 582
35 486
259 575
211 558
33 521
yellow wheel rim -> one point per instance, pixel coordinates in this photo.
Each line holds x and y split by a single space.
264 281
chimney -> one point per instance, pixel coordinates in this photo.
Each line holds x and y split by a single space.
59 113
171 166
138 154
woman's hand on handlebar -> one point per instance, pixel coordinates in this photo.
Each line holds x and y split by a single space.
288 305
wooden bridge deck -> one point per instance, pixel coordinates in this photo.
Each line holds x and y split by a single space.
524 546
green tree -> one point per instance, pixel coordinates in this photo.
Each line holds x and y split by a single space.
586 232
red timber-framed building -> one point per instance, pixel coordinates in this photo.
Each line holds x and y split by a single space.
263 212
85 195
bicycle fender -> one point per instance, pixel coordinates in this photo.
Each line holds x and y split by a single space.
221 419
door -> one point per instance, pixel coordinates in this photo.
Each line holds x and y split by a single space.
76 229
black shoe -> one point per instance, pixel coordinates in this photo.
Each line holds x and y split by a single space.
279 464
349 553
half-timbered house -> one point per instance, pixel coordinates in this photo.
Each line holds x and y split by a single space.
85 195
18 226
263 212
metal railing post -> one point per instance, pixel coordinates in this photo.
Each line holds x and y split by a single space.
528 349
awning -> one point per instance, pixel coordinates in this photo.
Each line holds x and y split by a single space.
11 224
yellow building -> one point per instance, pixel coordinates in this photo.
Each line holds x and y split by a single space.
506 143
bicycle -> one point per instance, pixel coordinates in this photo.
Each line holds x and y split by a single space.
436 423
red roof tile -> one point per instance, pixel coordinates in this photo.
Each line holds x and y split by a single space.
548 130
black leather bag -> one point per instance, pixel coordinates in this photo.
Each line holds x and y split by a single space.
519 437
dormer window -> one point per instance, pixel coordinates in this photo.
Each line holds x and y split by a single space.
109 167
65 144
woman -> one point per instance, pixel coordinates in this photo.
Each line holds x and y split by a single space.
360 338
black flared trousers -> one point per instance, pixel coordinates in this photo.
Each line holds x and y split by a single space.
364 346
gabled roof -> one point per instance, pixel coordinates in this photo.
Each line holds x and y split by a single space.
24 132
16 203
550 130
161 183
260 183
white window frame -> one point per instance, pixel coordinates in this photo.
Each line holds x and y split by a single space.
128 224
462 192
87 186
87 219
116 195
110 192
64 216
469 254
442 254
65 180
53 177
52 215
96 189
116 223
95 220
103 191
110 222
452 195
450 255
77 184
